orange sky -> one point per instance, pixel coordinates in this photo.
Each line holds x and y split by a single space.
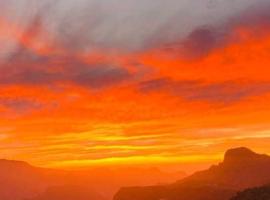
162 106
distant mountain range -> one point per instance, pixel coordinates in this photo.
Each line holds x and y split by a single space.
21 181
68 192
240 169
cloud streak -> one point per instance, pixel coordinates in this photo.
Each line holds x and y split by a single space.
27 68
193 90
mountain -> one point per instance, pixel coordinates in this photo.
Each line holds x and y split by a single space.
68 192
171 192
240 169
20 181
258 193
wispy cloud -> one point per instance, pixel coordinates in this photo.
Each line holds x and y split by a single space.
220 92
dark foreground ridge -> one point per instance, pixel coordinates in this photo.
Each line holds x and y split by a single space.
258 193
240 169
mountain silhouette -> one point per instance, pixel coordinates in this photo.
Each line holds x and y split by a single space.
68 192
240 155
21 181
240 169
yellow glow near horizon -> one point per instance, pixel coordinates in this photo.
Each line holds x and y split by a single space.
149 107
135 161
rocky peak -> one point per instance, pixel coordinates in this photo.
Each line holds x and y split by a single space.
240 154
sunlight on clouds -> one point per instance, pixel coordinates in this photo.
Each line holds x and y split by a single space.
175 99
135 160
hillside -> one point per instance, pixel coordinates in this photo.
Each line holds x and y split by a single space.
240 169
68 192
20 181
258 193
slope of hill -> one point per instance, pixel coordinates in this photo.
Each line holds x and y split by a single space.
258 193
174 193
68 192
19 179
241 168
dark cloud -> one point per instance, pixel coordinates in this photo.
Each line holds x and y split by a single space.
198 44
101 76
28 68
191 29
223 92
204 39
20 106
257 14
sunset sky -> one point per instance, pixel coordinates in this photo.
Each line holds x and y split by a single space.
123 82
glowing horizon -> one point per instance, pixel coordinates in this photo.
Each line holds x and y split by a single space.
160 97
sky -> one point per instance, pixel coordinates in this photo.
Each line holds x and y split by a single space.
88 83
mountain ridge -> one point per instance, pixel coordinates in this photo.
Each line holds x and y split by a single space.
241 168
20 180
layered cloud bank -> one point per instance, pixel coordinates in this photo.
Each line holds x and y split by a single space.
101 82
88 24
